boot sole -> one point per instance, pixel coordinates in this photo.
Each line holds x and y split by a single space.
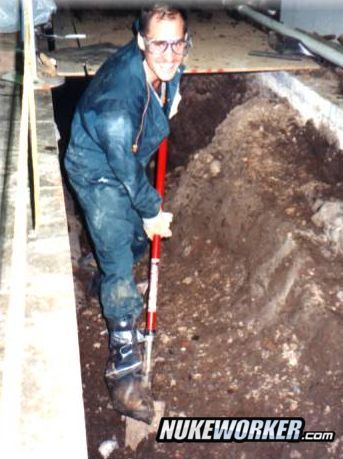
115 375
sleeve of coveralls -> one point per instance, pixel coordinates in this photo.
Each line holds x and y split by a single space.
115 134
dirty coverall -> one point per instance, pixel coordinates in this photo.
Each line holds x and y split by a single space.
118 109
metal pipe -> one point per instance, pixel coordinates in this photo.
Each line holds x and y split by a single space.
329 51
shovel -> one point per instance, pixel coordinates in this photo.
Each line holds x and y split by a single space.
138 429
150 327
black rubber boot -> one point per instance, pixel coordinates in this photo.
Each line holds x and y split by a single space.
129 395
124 354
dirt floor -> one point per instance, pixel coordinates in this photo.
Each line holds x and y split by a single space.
250 296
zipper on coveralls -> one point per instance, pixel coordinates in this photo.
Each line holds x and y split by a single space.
135 145
163 100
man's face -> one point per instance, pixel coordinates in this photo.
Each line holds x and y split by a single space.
162 66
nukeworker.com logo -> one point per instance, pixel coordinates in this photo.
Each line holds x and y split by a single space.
173 429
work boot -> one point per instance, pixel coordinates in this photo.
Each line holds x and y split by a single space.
124 354
131 397
128 393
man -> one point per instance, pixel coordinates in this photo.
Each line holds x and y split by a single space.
118 125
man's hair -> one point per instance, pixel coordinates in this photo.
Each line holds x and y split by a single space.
162 11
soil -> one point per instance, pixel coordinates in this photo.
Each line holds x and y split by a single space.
250 301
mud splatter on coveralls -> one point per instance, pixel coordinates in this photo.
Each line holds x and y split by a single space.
109 180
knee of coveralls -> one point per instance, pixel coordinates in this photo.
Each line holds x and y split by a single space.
112 224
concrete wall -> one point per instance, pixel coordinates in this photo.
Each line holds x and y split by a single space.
41 404
315 99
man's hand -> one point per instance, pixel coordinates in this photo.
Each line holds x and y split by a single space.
159 225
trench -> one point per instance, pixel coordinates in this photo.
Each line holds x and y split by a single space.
250 301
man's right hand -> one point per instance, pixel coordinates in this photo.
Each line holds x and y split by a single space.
159 225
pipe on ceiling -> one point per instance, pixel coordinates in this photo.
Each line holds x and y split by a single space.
329 51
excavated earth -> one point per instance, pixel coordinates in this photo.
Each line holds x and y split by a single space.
250 301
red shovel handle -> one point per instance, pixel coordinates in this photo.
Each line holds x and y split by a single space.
156 242
160 184
161 166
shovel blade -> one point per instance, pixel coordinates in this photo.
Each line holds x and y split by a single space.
137 431
131 397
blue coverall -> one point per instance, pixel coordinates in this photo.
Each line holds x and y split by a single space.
117 110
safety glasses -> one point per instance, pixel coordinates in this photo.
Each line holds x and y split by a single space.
159 47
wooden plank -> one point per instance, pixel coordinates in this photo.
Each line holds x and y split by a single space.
82 61
105 28
221 44
64 24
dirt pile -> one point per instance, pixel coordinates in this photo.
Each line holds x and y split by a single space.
251 297
205 103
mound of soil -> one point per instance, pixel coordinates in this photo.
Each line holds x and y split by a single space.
250 298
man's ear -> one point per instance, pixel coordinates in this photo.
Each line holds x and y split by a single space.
140 42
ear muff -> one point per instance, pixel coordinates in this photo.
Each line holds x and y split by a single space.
140 42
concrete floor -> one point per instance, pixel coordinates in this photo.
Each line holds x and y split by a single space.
41 409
